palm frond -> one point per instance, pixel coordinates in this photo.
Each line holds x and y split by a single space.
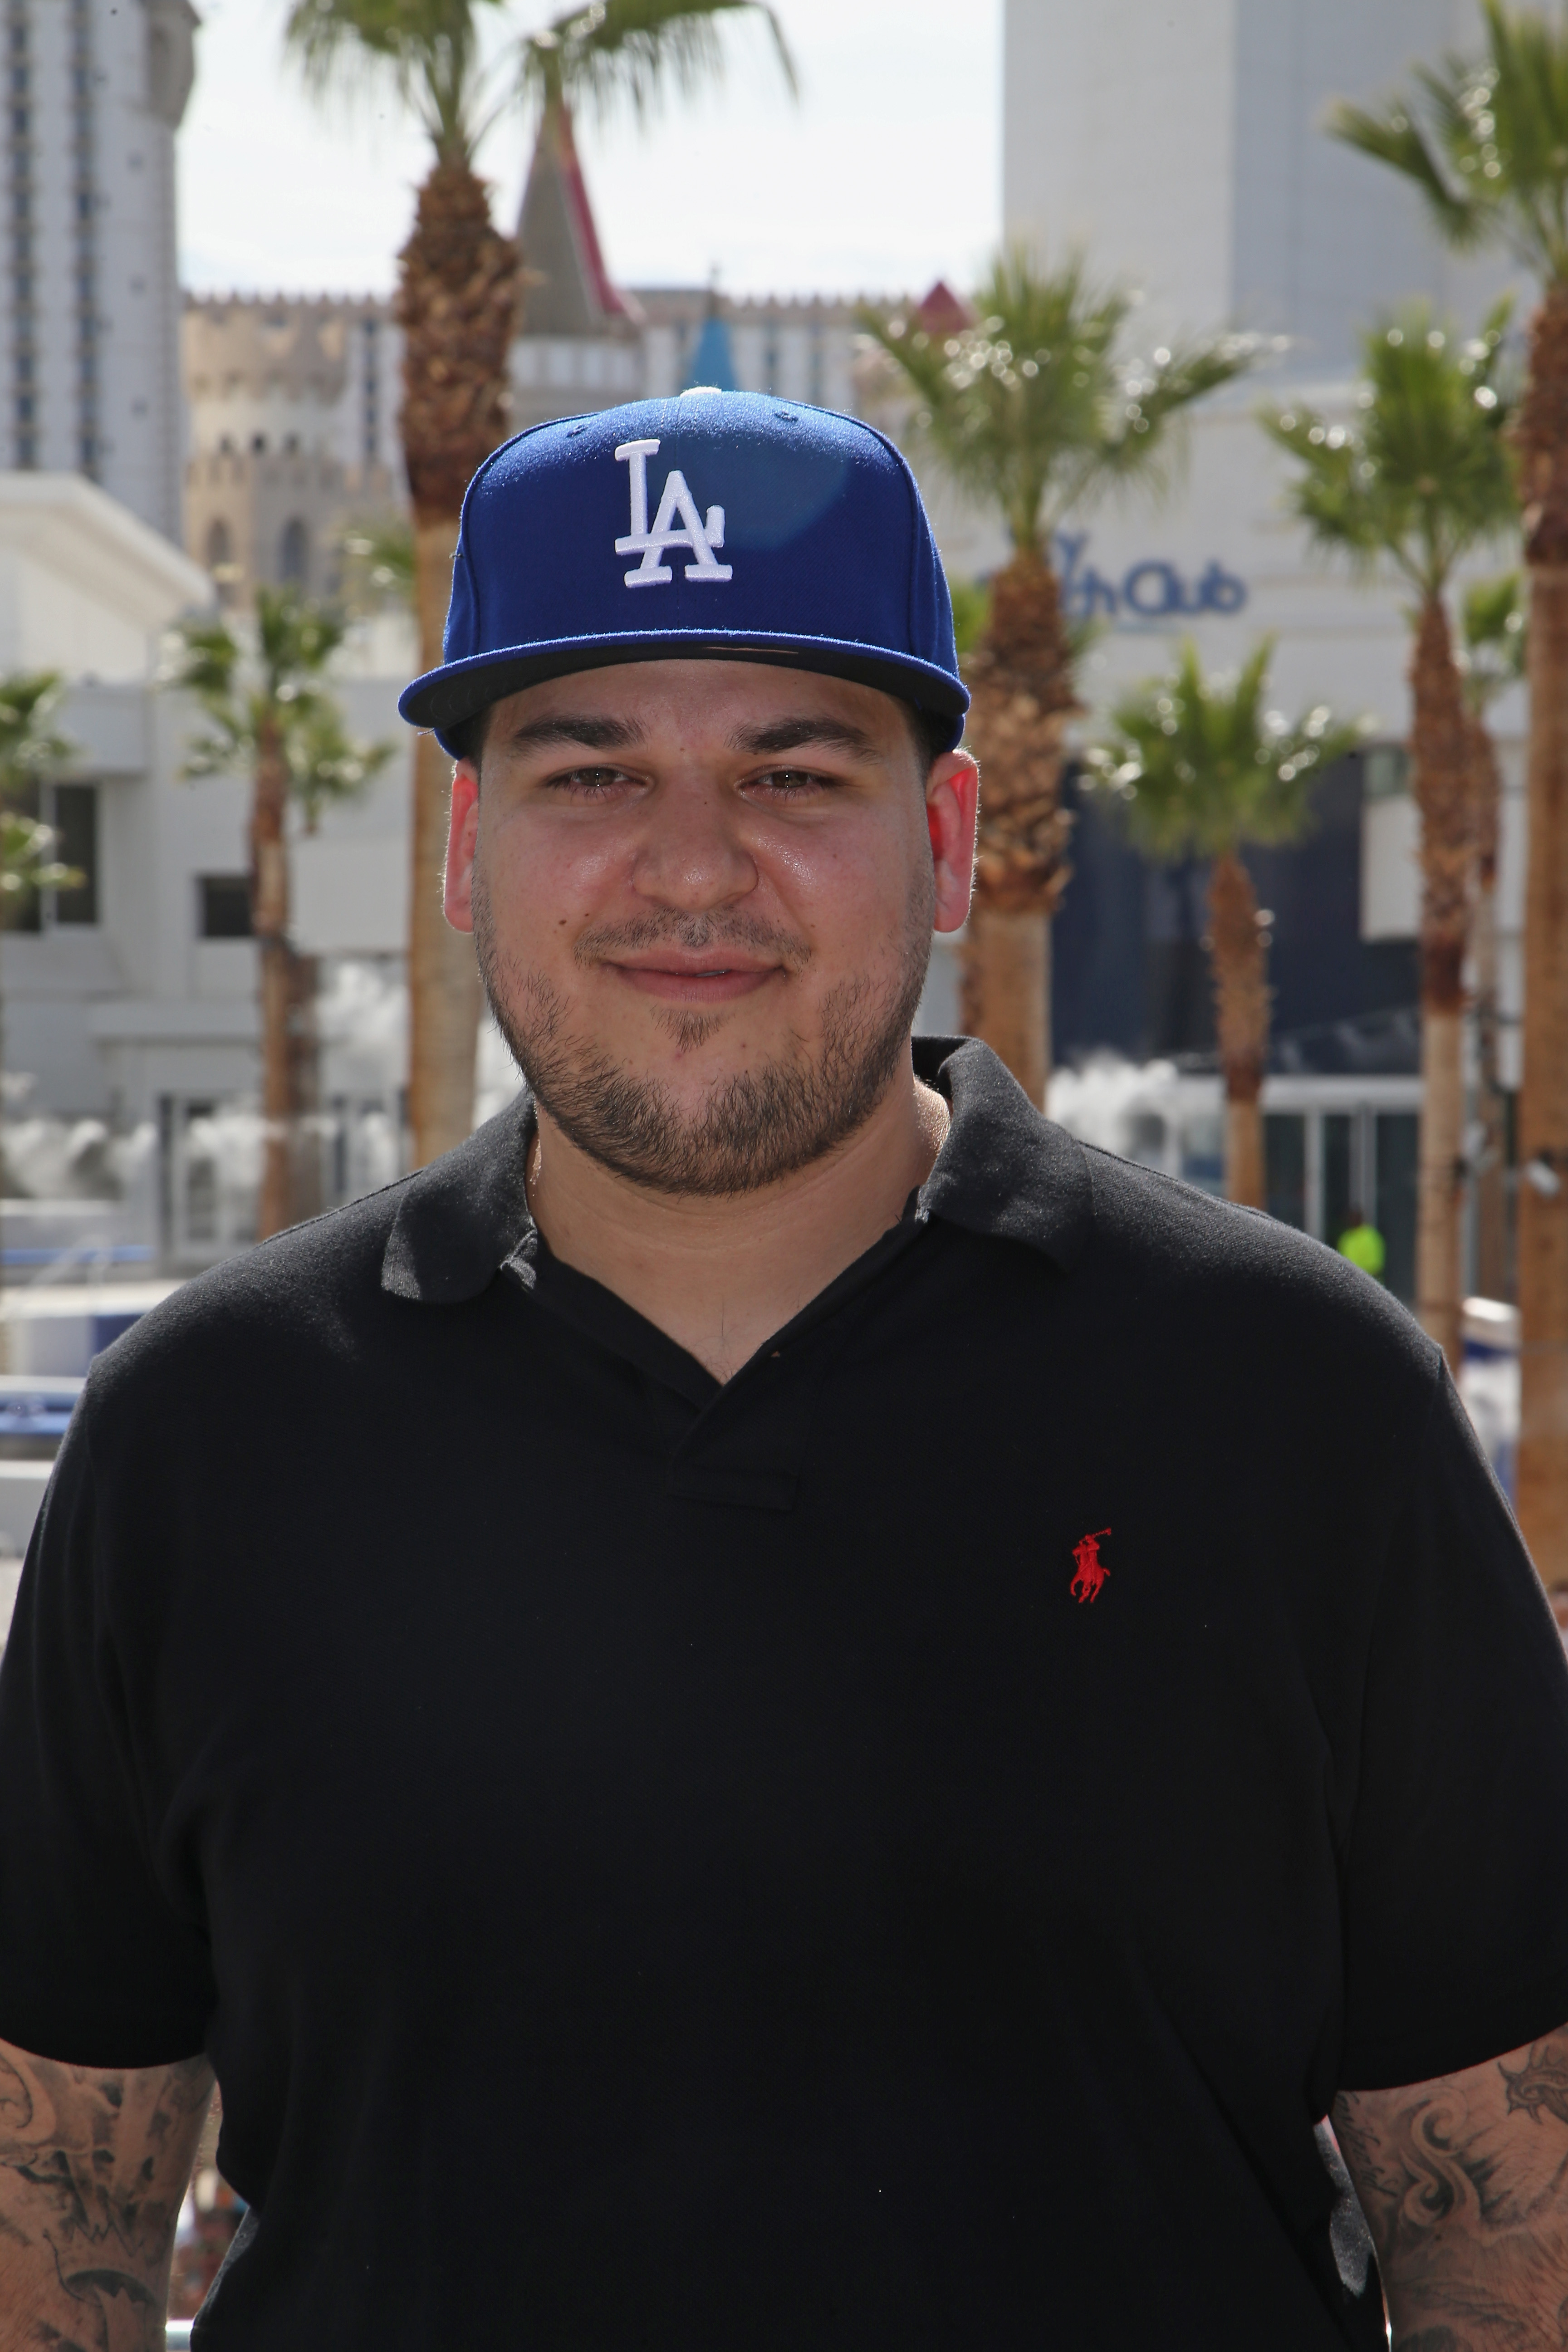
637 50
29 744
1038 407
1199 766
429 50
27 860
1421 477
1494 632
271 684
1485 138
325 762
379 563
1393 137
203 655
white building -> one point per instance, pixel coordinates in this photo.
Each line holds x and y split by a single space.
1186 152
130 1017
88 303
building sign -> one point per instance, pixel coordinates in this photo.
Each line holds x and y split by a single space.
1152 590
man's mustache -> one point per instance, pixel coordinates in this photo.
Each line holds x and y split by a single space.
696 934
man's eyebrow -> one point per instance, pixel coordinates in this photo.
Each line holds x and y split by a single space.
593 734
791 734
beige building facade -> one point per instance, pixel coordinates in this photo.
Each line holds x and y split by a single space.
293 439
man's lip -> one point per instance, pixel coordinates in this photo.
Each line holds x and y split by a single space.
695 982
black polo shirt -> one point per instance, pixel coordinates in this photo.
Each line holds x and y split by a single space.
896 1852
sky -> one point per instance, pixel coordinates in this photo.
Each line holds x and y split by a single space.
885 174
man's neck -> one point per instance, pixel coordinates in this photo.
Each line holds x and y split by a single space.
719 1276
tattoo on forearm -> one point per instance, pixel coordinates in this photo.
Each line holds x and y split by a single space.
1463 2182
93 2166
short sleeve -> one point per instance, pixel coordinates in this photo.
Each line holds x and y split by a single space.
97 1966
1456 1877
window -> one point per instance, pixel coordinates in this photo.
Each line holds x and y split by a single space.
220 547
76 845
294 552
223 906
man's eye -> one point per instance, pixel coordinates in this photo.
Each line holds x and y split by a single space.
792 781
587 780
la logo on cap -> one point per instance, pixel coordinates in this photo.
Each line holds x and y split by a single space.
676 524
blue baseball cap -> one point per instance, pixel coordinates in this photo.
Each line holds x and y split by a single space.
725 526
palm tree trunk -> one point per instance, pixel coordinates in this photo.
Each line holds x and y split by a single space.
458 305
1541 438
1441 762
1238 959
1021 680
269 922
443 977
1490 1177
1008 992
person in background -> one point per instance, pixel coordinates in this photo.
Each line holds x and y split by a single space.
1364 1245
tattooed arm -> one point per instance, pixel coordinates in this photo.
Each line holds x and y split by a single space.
1463 2182
93 2167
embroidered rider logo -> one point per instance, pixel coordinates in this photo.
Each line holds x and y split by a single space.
676 524
1092 1570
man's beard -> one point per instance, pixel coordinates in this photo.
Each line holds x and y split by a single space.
754 1126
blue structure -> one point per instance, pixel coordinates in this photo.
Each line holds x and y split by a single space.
1129 971
712 361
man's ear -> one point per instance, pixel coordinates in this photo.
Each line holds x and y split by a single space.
462 840
952 815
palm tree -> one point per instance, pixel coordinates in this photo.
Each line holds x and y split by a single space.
1417 485
268 711
1492 621
1037 410
459 305
1485 140
378 566
1199 769
29 749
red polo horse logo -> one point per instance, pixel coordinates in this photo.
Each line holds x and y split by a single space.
1092 1570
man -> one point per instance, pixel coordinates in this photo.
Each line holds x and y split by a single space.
773 1707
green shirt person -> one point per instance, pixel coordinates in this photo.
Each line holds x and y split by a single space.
1364 1245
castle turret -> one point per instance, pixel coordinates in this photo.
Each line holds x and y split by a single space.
580 342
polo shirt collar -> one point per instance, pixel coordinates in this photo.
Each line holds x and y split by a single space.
1004 1172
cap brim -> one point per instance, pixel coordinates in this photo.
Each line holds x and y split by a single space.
445 698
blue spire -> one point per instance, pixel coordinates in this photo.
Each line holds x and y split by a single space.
712 362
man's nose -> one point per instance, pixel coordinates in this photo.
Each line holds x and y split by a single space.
692 855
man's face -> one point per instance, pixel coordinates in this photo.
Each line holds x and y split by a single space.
702 895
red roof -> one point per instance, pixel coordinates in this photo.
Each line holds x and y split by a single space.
943 312
582 212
